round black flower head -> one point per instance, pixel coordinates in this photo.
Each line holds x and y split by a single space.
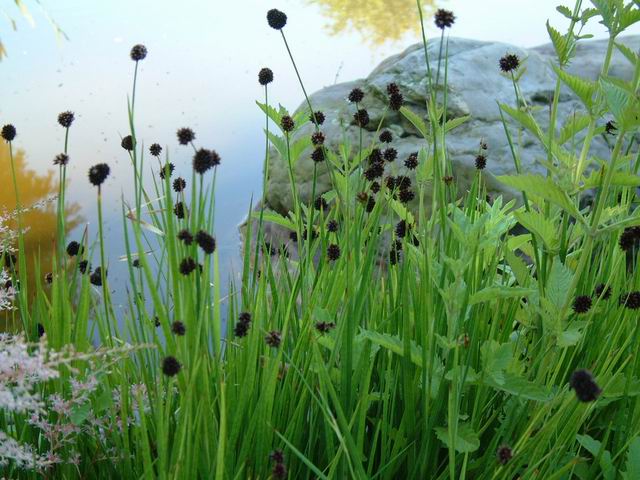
412 161
127 143
317 155
185 237
138 52
99 173
481 162
179 184
170 366
390 154
509 63
403 182
276 19
317 138
375 170
406 196
603 291
630 300
61 159
73 248
386 137
333 252
375 156
187 266
96 277
48 278
320 204
8 132
277 456
375 187
168 168
583 383
332 226
66 119
265 76
483 145
287 123
273 338
582 304
356 95
629 238
41 331
444 18
179 210
504 454
241 328
83 266
392 88
361 118
324 327
185 136
279 470
396 100
317 117
203 160
610 128
401 229
178 328
136 263
206 242
155 149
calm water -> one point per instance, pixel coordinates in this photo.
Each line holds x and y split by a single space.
200 72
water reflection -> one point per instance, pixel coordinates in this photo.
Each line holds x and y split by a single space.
378 21
35 188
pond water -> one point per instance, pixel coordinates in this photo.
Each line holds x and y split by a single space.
201 72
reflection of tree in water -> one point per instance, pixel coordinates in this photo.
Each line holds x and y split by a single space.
41 222
377 20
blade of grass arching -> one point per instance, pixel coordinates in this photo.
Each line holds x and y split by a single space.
301 456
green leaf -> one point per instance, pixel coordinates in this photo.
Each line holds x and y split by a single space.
520 387
416 121
455 122
542 226
79 413
628 16
561 43
465 441
622 103
633 460
498 292
558 284
593 447
525 119
565 11
574 125
630 55
495 359
618 179
543 187
583 88
394 344
572 335
271 112
276 218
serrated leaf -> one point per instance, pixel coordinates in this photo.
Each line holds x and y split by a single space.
298 147
495 359
629 54
565 11
593 447
521 387
619 179
465 441
633 460
276 218
572 335
562 44
542 187
583 88
628 16
542 226
558 284
416 121
271 112
525 119
494 293
455 122
622 104
574 125
79 413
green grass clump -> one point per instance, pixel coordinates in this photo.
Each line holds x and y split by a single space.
393 342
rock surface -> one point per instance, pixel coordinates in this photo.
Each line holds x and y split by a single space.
475 84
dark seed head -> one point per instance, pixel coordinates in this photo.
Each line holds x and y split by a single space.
276 19
155 149
332 226
127 143
73 248
138 52
403 182
98 174
333 252
293 236
371 204
361 118
320 204
448 179
375 170
277 456
610 127
375 187
179 210
444 18
41 331
392 88
206 242
509 63
412 161
66 119
273 338
241 329
170 366
279 470
317 117
96 277
406 196
178 328
185 237
61 159
582 304
602 291
396 100
8 132
375 156
202 161
187 266
135 263
185 136
504 454
83 266
356 95
317 138
386 136
325 327
401 229
179 184
265 76
317 155
168 168
483 145
390 154
629 238
390 182
48 278
630 300
585 386
287 123
481 162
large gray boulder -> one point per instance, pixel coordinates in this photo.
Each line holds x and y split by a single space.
475 85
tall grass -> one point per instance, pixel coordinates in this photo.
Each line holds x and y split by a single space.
394 342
